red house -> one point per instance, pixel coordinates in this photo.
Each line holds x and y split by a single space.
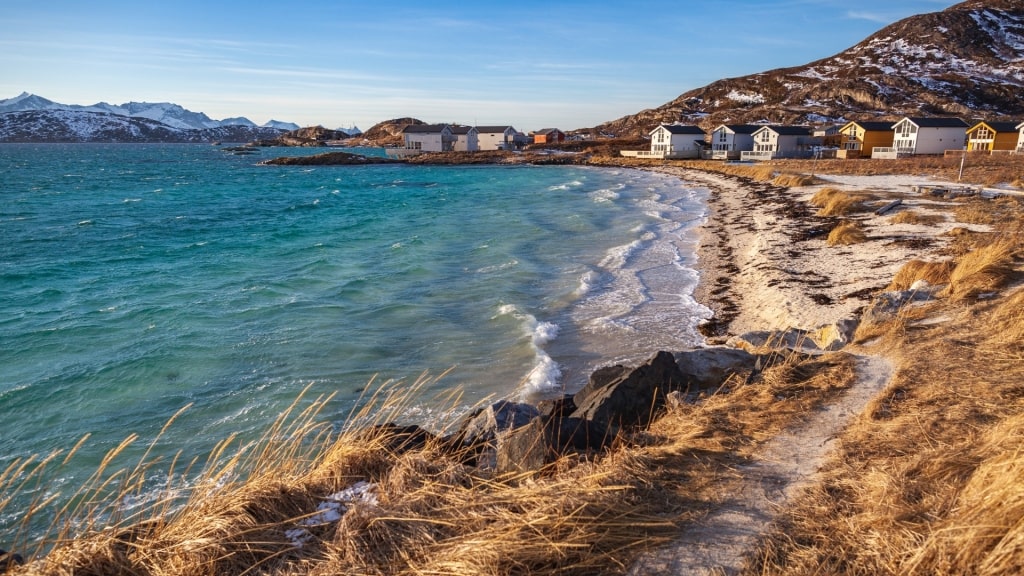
548 136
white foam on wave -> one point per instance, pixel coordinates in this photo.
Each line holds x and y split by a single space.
545 374
498 267
566 186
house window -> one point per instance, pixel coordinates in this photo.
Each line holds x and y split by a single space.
983 134
721 136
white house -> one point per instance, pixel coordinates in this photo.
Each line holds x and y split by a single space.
1020 138
672 141
500 138
915 136
729 140
466 138
677 141
429 137
774 141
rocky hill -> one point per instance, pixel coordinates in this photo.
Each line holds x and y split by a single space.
967 61
389 132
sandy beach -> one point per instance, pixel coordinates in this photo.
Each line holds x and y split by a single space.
765 263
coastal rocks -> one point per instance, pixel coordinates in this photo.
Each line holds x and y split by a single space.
708 368
484 425
827 338
510 438
9 560
617 396
544 440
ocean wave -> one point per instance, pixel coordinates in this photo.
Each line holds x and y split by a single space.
545 374
566 186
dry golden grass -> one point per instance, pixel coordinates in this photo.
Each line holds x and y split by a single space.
837 204
983 270
846 233
431 513
918 218
794 180
935 273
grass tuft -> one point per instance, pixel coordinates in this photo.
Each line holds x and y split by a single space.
835 203
982 270
918 218
790 180
846 233
935 273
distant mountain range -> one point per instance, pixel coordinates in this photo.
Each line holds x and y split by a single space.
31 118
966 61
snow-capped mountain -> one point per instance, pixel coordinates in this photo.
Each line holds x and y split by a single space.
966 61
288 126
31 118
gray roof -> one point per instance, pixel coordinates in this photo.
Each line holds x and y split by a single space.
1001 126
462 129
491 129
939 122
743 128
424 128
789 130
547 131
874 126
681 129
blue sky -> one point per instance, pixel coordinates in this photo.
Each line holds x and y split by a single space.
529 63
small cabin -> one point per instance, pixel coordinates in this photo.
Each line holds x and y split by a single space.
729 140
992 136
466 139
858 139
922 136
773 141
429 137
500 138
548 136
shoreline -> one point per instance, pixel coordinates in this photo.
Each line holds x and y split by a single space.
764 262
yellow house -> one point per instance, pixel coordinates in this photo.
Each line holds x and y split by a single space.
856 139
989 136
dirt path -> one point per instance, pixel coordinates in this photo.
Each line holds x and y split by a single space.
718 543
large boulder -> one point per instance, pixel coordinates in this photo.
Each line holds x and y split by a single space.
631 397
708 368
542 441
484 425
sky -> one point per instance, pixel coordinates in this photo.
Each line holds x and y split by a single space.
339 63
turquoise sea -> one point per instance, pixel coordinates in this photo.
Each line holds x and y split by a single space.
137 279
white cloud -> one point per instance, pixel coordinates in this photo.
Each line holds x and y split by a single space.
869 16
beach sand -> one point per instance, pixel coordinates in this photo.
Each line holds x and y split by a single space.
764 259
